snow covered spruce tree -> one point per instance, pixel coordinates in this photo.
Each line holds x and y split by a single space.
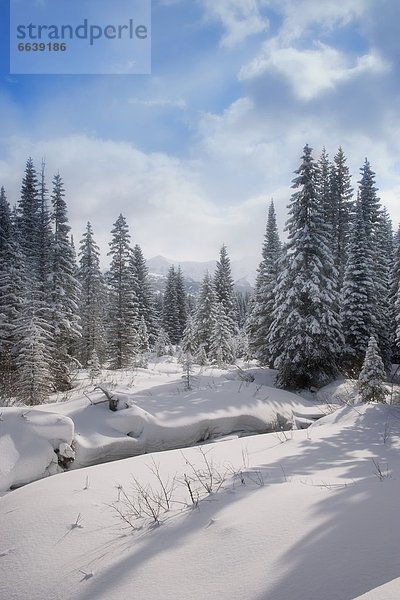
40 360
341 194
92 305
174 306
370 381
44 241
264 296
358 297
305 334
189 349
188 339
393 298
122 321
221 350
142 358
11 292
94 366
181 299
324 187
170 315
65 289
34 361
144 294
383 266
224 289
163 344
28 211
397 320
206 316
377 232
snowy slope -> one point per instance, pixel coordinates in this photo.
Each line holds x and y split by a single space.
323 525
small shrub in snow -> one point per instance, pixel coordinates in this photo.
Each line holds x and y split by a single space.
370 381
381 471
151 501
187 367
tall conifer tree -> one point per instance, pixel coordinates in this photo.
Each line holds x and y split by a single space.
92 300
264 296
305 334
123 316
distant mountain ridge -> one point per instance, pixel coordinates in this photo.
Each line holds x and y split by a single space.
243 271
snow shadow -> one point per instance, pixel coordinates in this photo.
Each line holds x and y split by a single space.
140 549
340 559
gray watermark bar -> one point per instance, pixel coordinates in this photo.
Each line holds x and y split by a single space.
80 37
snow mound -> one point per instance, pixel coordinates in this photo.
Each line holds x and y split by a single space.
178 418
31 442
158 414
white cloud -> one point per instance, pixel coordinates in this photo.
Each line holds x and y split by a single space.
162 198
240 18
313 71
300 15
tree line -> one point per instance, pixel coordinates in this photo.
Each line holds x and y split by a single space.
59 312
319 297
334 284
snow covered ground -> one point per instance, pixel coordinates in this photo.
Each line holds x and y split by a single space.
313 515
310 514
155 413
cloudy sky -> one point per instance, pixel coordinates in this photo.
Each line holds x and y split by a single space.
192 153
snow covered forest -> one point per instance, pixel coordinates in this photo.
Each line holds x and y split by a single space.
326 300
159 454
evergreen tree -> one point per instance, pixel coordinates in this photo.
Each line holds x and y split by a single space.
29 210
189 349
188 339
187 368
372 375
342 209
358 297
181 302
376 228
12 291
45 243
224 289
144 294
382 272
394 295
241 346
92 300
94 365
324 170
170 317
34 360
264 297
397 320
205 317
221 349
243 302
122 304
305 334
163 344
201 356
143 344
65 289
